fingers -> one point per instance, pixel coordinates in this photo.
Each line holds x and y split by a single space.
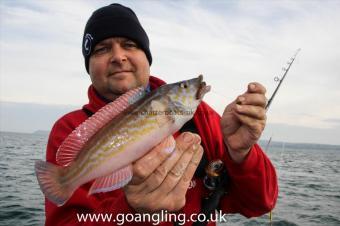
175 173
255 125
184 144
252 99
179 166
254 112
254 117
244 119
253 102
143 167
176 197
184 182
256 87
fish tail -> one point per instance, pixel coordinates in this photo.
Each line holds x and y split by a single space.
49 176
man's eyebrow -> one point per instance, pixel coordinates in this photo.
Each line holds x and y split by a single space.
124 39
104 42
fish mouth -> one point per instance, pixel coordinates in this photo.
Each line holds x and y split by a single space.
203 88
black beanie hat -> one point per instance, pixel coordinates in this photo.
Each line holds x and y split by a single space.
114 20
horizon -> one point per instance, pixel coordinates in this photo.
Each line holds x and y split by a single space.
275 142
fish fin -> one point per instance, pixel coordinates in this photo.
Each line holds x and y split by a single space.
48 176
113 181
71 146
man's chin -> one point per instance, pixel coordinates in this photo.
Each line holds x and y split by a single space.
121 76
123 88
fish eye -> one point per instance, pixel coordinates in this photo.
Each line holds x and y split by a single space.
184 85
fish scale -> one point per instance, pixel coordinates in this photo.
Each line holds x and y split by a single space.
112 144
109 149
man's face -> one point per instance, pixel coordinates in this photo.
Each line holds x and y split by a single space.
116 66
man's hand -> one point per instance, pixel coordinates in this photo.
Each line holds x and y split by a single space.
161 178
243 121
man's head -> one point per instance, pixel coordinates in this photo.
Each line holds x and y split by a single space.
116 50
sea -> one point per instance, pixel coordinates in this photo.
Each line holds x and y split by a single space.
309 183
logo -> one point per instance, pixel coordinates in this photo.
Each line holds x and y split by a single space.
87 44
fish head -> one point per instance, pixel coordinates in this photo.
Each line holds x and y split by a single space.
185 96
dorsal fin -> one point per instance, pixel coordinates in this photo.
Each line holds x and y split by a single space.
71 146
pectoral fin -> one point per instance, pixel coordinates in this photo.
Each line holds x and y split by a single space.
113 181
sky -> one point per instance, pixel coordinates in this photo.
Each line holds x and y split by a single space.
232 43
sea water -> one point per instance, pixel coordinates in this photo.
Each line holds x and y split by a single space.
309 183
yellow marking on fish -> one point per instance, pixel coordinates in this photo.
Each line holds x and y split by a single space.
77 169
110 142
108 150
139 123
99 158
145 130
88 164
109 136
183 99
121 137
134 135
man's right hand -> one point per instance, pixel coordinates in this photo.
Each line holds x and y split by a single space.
161 178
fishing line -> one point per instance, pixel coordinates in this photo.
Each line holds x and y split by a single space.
266 149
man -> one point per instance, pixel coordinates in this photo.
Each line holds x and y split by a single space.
118 58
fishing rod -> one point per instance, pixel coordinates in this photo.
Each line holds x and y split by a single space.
267 146
280 80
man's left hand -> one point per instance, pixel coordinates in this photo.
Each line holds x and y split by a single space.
243 121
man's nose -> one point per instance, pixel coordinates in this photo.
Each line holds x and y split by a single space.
118 54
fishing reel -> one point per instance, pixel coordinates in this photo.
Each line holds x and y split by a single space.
215 174
215 180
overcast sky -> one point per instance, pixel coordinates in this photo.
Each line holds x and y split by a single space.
231 43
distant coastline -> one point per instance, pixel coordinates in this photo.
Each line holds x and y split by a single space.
41 132
312 146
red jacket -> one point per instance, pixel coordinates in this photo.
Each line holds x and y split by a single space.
253 184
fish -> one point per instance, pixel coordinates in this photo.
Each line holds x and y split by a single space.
103 148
